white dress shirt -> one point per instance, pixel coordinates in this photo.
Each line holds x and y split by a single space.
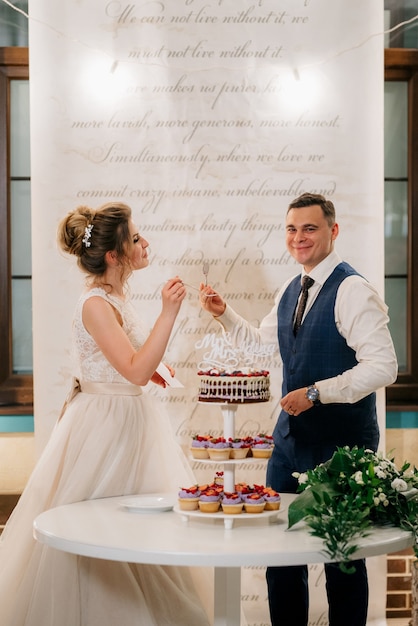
361 318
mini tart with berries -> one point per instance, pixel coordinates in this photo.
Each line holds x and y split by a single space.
199 447
232 503
254 503
272 498
209 501
218 449
188 498
262 446
239 447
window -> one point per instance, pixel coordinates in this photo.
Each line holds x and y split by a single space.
401 219
16 381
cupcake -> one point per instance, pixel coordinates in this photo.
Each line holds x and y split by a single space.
199 447
218 448
272 498
189 498
209 500
232 503
254 503
262 446
239 447
263 438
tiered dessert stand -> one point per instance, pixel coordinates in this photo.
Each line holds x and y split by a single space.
228 412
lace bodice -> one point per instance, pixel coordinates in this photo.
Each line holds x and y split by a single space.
89 362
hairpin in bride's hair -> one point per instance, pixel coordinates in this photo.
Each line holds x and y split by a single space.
87 235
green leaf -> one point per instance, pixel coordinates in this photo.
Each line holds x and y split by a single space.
304 502
341 462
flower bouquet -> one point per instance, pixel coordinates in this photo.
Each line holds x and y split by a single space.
342 499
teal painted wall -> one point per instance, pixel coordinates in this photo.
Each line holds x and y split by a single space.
24 423
16 423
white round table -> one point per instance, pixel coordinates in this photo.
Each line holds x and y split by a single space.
106 529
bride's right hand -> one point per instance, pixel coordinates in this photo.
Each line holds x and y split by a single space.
173 294
211 301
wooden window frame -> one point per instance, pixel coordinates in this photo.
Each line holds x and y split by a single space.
402 64
16 391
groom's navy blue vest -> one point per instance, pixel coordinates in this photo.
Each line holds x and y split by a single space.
318 352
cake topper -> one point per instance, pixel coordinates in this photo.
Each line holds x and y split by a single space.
221 353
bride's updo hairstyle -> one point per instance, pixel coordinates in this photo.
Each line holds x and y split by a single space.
89 234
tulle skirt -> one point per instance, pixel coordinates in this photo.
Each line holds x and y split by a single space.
104 445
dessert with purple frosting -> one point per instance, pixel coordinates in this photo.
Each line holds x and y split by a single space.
210 500
262 446
240 447
219 449
272 498
199 447
232 503
189 498
254 503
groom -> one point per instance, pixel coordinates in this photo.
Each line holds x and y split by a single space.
336 351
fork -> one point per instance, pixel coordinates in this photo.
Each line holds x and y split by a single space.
205 270
209 295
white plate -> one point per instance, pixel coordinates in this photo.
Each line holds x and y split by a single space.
155 503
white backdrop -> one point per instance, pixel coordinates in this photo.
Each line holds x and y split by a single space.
208 117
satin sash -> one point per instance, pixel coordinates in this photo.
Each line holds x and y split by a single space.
111 389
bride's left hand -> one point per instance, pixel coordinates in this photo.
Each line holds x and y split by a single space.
159 380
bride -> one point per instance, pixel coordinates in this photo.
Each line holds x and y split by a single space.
112 439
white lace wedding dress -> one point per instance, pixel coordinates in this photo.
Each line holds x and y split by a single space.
106 444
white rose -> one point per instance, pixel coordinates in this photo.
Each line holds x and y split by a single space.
358 477
398 484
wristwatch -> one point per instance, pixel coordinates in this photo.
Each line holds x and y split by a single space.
312 393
